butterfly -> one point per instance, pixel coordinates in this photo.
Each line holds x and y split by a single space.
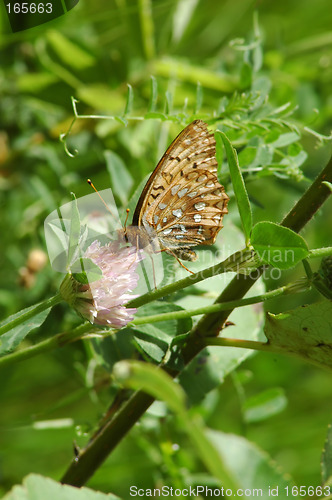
182 204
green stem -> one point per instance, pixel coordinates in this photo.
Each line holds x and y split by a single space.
89 459
233 263
47 345
178 285
227 265
224 306
30 312
320 252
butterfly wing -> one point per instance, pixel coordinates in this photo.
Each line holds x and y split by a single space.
183 201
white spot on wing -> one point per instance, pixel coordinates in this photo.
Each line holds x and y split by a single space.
202 178
175 189
155 219
165 219
162 206
167 231
210 184
177 213
182 192
197 217
200 205
192 194
179 236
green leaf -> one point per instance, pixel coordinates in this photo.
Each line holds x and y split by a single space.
251 467
35 82
121 179
264 405
305 331
69 52
246 76
326 462
286 139
149 378
238 184
154 381
209 369
39 488
182 16
155 339
12 338
153 96
130 100
277 245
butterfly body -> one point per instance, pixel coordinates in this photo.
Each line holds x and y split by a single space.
182 203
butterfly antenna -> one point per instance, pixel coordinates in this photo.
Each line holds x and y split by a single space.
125 222
89 181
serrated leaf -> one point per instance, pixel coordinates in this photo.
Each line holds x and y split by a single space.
305 331
121 179
39 488
240 191
277 245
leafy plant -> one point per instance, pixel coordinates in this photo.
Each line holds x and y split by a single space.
167 367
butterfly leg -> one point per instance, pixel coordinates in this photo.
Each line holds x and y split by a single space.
179 261
153 272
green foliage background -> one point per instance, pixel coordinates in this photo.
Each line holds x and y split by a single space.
91 53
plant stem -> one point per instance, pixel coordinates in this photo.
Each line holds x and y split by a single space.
30 312
296 219
320 252
47 345
89 459
224 306
232 263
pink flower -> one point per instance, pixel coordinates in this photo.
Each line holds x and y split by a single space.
102 301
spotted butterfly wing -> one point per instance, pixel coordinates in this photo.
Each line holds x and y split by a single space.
182 203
